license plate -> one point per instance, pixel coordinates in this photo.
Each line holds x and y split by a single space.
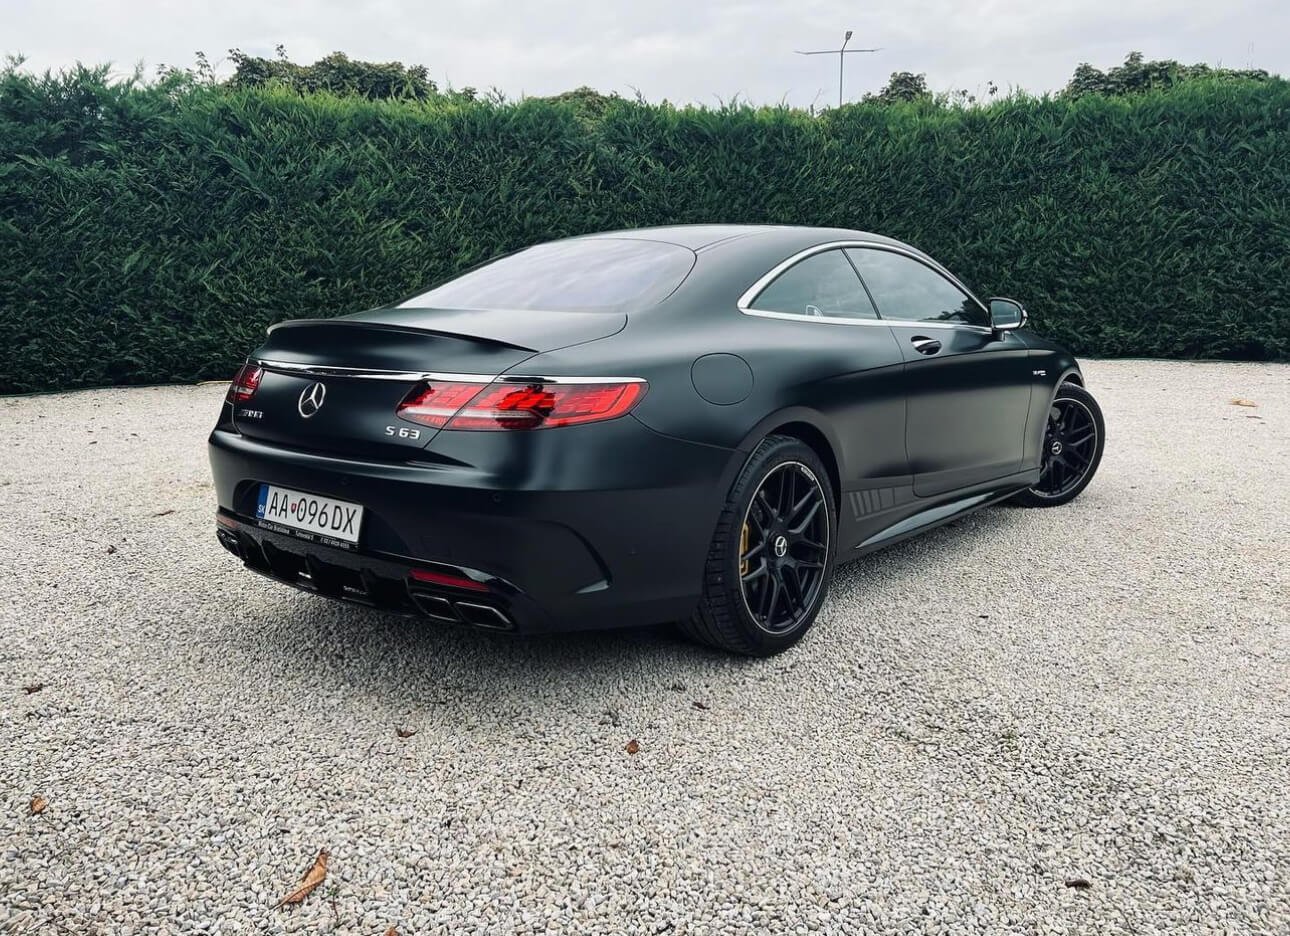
309 513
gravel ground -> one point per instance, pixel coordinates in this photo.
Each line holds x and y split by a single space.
1063 721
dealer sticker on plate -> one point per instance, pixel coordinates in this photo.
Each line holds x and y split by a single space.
310 513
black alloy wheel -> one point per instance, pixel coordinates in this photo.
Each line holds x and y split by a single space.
1074 438
784 545
1070 440
771 556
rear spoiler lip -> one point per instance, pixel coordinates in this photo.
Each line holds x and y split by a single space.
405 329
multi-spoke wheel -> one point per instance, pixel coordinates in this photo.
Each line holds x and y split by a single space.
1072 449
784 546
772 554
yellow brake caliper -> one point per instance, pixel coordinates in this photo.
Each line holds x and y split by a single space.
743 548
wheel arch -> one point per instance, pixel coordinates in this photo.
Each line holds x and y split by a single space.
807 427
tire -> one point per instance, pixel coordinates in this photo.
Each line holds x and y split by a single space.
747 569
1073 442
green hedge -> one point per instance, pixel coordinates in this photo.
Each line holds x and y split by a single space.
149 234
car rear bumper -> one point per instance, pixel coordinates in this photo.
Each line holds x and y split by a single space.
588 555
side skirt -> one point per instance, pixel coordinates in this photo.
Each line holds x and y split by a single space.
908 524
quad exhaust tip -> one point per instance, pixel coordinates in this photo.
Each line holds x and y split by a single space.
484 615
441 608
230 542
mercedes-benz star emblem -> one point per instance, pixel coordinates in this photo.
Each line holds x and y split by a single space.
781 547
311 399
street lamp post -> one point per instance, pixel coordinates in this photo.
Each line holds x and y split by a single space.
842 60
842 54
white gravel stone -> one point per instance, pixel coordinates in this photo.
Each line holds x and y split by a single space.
1021 700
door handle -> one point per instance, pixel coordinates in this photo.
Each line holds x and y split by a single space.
924 345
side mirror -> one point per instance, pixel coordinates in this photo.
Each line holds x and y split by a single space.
1007 314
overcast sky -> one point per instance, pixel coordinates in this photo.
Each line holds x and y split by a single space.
682 50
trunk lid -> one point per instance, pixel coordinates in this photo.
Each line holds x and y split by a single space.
367 363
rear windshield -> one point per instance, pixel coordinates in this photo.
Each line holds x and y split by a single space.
591 275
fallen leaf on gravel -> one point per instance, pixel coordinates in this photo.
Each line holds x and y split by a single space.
677 687
34 687
1079 883
699 705
313 877
164 513
633 746
392 931
111 550
1241 401
404 732
38 804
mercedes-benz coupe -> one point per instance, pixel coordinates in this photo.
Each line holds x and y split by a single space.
690 424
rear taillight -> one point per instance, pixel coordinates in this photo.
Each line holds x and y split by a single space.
433 404
546 406
510 405
245 384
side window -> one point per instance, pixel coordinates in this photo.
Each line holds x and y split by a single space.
909 291
823 285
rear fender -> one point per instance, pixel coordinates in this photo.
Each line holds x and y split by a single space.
767 426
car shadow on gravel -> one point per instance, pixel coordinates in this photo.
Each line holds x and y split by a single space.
341 647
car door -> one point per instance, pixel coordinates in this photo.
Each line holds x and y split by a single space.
850 371
967 386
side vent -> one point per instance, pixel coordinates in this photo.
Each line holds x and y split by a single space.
864 503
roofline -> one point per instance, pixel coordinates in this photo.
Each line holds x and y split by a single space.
791 232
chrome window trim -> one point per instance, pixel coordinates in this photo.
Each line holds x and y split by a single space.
907 323
750 295
319 370
823 319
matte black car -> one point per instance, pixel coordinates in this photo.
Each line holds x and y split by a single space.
686 424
